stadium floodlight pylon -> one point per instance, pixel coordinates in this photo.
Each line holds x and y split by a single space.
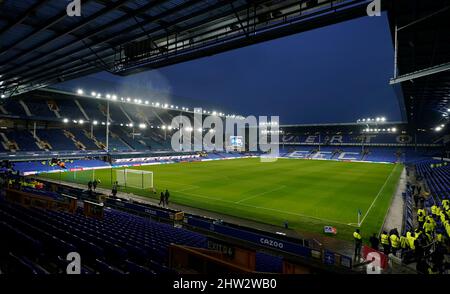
132 178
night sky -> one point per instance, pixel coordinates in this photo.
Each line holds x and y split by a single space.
334 74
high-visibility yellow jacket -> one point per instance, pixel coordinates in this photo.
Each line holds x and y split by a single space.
404 242
428 227
395 241
411 242
433 209
357 236
384 239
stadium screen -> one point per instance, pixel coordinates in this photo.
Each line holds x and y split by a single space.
236 141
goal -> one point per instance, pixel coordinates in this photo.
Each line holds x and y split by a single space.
133 178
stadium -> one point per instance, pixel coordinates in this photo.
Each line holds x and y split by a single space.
132 180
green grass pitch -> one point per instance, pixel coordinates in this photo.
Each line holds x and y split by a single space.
307 193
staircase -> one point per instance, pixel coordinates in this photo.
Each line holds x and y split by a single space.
9 145
77 143
97 142
43 145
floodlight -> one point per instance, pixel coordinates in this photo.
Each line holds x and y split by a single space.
142 126
80 92
3 96
438 129
394 130
211 130
93 94
163 127
75 122
383 119
114 97
157 104
108 96
169 127
121 125
99 95
128 99
146 102
171 106
130 125
214 113
95 122
442 126
378 119
103 123
200 130
65 120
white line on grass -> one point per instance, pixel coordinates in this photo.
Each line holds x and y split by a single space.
191 187
262 193
379 193
265 208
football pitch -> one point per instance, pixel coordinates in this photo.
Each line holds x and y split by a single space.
309 194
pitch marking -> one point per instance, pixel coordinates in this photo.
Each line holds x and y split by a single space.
260 194
265 208
379 193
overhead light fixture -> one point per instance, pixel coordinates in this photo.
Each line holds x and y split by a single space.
80 92
95 122
66 120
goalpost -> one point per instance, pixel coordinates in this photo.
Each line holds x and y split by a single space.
133 178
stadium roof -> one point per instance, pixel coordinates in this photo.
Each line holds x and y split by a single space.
41 45
423 30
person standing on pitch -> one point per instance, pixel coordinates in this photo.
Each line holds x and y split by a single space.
114 189
166 197
94 184
90 186
161 199
358 243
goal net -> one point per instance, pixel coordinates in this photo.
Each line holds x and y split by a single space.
132 178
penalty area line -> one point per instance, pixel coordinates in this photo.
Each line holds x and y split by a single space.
323 220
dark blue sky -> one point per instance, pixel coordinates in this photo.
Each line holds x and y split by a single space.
334 74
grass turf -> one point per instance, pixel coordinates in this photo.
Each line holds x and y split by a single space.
307 193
